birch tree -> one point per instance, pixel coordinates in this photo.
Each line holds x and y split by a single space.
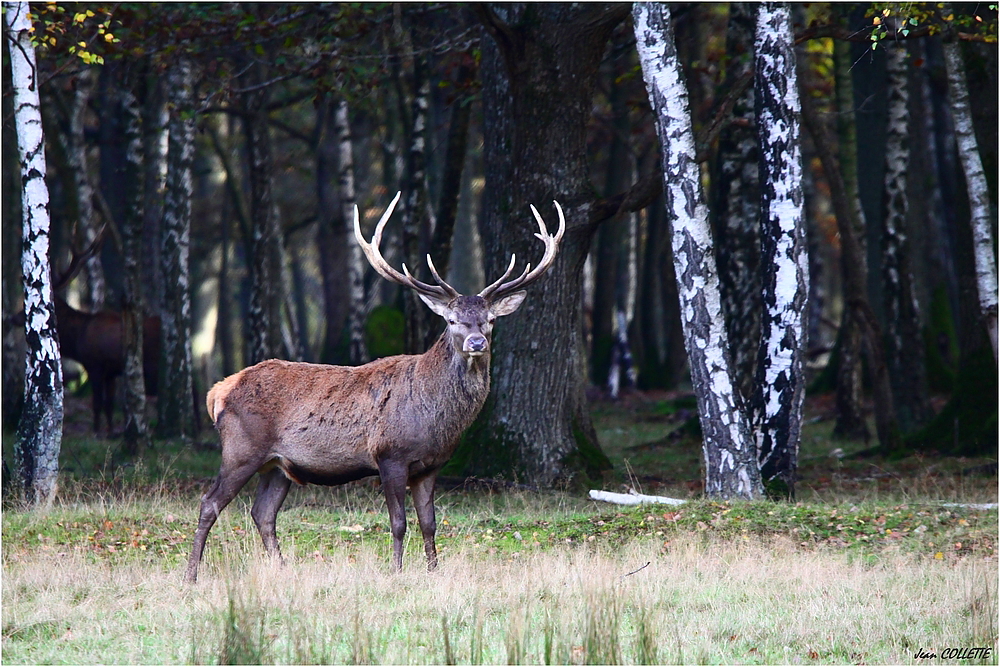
735 196
415 211
176 410
39 431
331 231
979 196
853 267
779 389
263 317
904 336
76 157
730 458
136 433
358 351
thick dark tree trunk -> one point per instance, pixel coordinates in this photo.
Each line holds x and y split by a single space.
175 407
779 389
39 430
730 458
539 71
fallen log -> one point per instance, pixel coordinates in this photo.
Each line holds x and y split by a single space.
633 498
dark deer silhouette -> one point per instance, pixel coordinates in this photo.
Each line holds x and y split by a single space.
95 340
399 417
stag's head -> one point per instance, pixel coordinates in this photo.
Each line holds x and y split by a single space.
469 318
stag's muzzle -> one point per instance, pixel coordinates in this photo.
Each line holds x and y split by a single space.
475 344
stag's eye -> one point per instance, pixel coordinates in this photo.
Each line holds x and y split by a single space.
451 320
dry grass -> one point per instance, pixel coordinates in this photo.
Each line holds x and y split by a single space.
704 601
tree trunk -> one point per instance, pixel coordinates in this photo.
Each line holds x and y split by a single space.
136 432
155 144
264 316
780 383
86 222
334 245
855 296
904 337
979 197
730 459
850 422
358 351
39 430
735 193
175 407
415 221
539 71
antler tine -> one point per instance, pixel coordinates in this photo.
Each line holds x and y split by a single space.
488 290
79 259
500 288
452 292
384 269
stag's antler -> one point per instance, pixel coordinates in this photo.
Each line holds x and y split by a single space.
79 259
442 291
499 289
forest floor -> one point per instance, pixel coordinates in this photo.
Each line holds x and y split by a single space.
877 562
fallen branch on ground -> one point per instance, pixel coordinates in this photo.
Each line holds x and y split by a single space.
632 498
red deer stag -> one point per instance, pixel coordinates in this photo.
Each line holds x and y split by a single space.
95 341
398 417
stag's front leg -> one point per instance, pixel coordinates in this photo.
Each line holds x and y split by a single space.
394 486
423 501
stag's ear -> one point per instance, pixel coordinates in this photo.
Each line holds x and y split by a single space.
439 307
508 304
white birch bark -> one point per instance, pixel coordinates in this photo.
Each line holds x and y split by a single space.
358 350
735 207
93 297
176 415
730 459
39 431
904 336
136 432
414 213
779 390
979 196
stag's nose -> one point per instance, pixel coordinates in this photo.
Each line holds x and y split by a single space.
475 344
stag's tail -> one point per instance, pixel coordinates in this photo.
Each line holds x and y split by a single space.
215 400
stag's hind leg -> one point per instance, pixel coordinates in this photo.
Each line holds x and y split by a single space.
271 493
231 479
